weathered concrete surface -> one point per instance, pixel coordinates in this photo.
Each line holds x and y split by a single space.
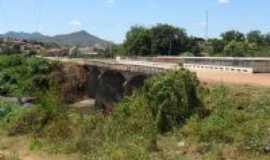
109 80
230 64
144 67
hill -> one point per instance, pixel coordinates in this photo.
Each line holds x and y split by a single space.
80 38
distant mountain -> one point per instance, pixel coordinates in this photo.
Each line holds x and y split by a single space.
81 38
28 36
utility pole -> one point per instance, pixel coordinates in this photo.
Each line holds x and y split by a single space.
206 25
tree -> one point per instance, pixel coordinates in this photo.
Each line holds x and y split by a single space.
255 37
238 49
114 50
195 45
138 41
172 98
267 39
168 40
217 46
233 36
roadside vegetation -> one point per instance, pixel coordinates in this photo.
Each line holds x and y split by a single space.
168 40
23 76
172 117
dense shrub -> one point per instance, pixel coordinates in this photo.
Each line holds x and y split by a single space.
6 109
235 119
47 113
172 98
21 75
131 132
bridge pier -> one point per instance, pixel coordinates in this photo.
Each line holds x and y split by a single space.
109 86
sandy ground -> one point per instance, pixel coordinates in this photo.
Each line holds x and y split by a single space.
207 76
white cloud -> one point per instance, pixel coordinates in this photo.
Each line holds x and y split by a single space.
224 1
75 23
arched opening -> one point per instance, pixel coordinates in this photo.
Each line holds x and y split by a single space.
134 83
109 90
93 81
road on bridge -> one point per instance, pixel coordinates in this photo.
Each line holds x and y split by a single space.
205 76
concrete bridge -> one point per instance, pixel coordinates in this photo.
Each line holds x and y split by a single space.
110 80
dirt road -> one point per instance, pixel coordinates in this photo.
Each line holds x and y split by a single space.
233 78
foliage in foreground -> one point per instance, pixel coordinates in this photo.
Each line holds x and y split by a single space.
132 129
21 76
239 123
163 120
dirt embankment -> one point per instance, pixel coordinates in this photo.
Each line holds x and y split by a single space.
72 81
214 77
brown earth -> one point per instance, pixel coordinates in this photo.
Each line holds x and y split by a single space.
215 77
72 80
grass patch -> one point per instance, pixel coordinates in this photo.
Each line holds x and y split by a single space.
239 119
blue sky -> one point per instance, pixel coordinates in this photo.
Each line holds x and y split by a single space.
111 19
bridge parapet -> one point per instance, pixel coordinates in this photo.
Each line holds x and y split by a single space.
230 64
143 67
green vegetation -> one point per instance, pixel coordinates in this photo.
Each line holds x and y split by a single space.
236 44
130 132
161 39
239 123
23 76
172 117
164 39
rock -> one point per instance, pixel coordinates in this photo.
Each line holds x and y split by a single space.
27 100
85 106
267 148
181 144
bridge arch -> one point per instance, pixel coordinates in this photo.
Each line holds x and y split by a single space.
134 83
110 89
94 74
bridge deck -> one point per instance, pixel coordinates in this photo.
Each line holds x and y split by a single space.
207 76
122 65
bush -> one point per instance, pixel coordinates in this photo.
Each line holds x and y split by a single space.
172 98
235 119
27 121
131 132
6 109
21 75
49 111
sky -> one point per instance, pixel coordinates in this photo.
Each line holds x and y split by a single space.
111 19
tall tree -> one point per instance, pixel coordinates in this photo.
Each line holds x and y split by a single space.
168 40
255 37
217 46
138 41
233 35
267 39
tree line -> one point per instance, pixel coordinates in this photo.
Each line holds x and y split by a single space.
164 39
